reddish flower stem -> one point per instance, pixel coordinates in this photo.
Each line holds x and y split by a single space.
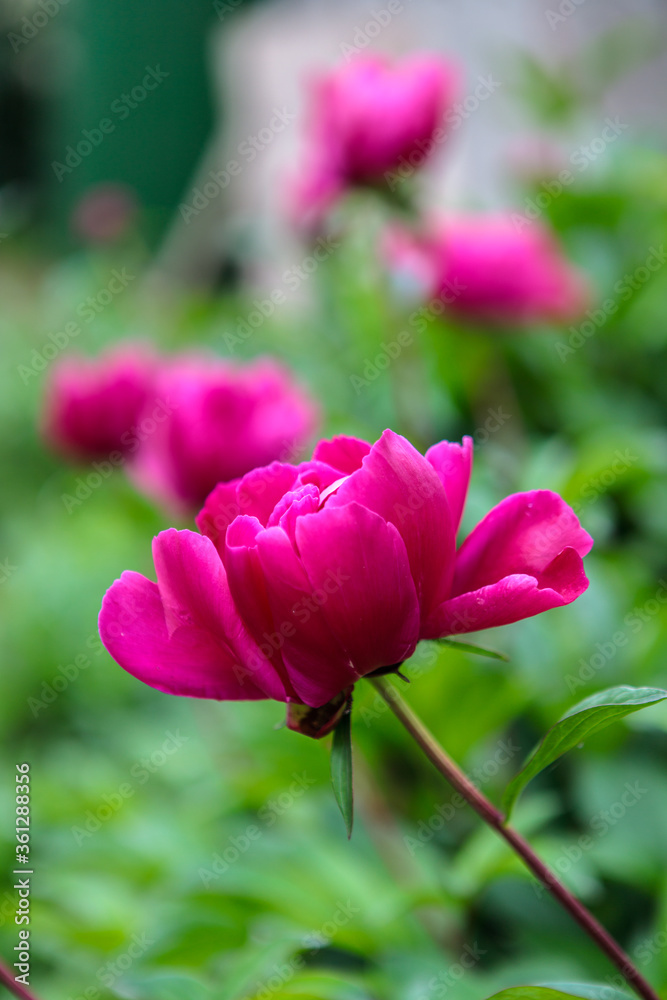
495 819
18 989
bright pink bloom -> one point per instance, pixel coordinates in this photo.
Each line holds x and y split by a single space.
494 268
308 577
218 420
92 404
368 118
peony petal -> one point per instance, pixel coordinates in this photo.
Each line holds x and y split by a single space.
511 599
195 590
359 563
399 484
343 453
317 665
255 494
248 586
453 463
521 535
318 473
246 579
296 503
184 660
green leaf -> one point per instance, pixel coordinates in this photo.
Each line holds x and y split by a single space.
561 991
585 719
341 769
469 647
590 991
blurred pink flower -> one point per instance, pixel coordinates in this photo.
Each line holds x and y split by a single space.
221 421
368 118
104 213
498 268
308 577
91 405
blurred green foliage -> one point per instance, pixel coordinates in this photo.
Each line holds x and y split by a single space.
222 870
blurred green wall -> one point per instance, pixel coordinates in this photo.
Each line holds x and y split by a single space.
153 137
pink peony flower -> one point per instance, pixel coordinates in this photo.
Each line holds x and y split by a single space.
92 405
308 577
221 421
368 118
493 268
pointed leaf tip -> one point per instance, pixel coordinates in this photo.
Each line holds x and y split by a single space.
341 769
582 721
471 647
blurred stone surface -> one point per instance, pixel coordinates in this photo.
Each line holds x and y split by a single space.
264 57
